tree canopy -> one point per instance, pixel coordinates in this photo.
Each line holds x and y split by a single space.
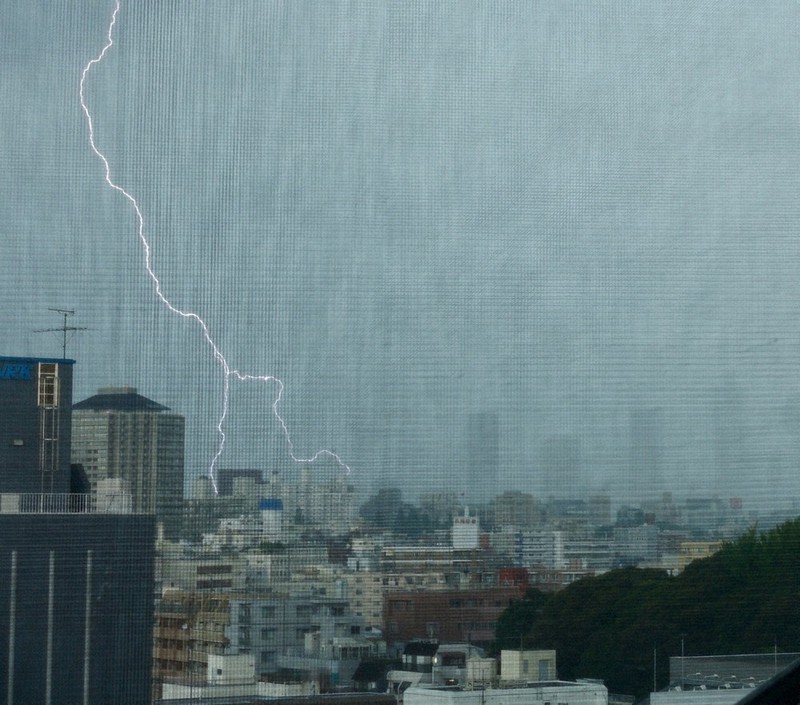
743 599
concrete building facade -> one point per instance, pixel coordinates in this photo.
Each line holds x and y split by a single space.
118 433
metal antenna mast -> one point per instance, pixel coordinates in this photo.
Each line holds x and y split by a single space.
64 329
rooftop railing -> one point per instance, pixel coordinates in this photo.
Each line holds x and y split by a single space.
62 503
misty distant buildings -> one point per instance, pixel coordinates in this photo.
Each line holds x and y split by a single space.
728 431
646 452
120 434
327 503
323 501
562 466
515 508
482 451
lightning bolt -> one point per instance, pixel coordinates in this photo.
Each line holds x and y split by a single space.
228 372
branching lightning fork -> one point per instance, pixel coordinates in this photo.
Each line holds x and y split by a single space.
227 371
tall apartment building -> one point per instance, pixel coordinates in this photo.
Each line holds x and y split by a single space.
118 433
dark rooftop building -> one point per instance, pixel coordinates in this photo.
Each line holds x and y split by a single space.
35 397
372 675
76 608
119 399
421 648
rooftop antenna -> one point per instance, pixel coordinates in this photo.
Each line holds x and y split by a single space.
64 329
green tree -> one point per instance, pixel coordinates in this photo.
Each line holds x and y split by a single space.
742 599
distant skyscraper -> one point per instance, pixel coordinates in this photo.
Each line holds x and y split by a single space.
118 433
562 466
729 433
646 439
482 450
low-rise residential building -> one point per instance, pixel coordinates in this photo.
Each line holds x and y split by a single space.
546 580
193 573
432 663
189 627
527 665
540 547
365 592
689 551
234 676
636 544
541 693
292 630
317 637
364 555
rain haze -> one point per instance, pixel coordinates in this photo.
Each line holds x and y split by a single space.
485 245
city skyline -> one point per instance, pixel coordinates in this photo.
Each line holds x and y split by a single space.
539 214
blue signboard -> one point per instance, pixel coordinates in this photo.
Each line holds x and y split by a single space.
16 370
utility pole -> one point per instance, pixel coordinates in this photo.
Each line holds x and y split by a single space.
64 329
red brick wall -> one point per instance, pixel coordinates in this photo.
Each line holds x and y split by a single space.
448 616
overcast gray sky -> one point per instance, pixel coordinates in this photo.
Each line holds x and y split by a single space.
581 218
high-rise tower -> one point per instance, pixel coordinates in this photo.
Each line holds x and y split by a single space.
118 433
482 451
645 477
563 467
